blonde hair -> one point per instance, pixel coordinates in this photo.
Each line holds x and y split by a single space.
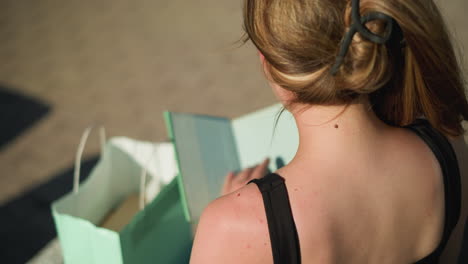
300 40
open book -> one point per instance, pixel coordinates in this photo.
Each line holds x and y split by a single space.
208 147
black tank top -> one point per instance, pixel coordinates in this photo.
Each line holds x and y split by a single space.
283 234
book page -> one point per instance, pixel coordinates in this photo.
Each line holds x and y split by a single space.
206 152
257 137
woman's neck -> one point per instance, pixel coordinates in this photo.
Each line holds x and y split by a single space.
331 133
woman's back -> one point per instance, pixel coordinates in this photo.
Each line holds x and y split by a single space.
379 205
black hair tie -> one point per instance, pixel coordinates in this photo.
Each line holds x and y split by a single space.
358 25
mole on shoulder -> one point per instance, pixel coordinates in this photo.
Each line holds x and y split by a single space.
336 126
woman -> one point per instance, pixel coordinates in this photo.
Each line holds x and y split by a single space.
370 182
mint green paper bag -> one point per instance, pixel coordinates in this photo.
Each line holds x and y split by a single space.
158 233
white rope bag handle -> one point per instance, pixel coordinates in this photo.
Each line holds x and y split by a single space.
143 176
102 139
79 153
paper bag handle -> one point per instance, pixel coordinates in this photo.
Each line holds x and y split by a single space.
79 153
143 176
142 200
102 139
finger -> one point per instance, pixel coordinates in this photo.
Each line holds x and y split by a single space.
227 183
244 175
261 169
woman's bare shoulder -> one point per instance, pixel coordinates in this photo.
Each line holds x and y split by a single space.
233 229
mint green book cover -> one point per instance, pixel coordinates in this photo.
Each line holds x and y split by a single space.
208 147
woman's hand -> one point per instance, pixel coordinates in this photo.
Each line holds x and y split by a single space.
234 182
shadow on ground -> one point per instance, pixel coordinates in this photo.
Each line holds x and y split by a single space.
26 223
18 112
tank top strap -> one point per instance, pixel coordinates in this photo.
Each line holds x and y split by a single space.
283 234
447 159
